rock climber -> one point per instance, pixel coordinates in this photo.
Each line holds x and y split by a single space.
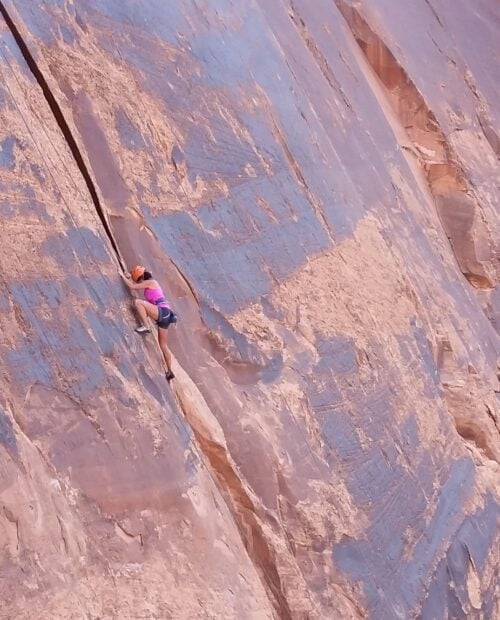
154 306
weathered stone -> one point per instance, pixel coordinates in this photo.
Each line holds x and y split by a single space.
314 185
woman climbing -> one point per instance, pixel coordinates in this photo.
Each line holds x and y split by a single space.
154 306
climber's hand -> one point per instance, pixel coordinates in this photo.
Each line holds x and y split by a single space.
127 279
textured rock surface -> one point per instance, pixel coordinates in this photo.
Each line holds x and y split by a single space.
316 185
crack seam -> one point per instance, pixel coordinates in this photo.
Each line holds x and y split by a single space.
60 119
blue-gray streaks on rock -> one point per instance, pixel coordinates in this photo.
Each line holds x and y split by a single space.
236 273
150 385
337 355
84 240
267 367
393 574
102 330
339 432
27 365
154 17
79 242
7 156
425 350
409 432
130 136
7 435
478 532
67 345
67 34
57 247
7 211
472 544
4 303
36 209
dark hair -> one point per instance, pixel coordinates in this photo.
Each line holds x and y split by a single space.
147 276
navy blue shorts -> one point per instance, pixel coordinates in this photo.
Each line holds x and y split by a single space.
165 317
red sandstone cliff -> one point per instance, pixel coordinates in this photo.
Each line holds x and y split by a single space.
316 186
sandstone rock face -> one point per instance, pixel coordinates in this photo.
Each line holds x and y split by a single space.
316 186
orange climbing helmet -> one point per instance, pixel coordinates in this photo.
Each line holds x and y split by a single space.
137 272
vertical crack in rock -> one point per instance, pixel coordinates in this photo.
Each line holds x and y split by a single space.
458 209
489 133
492 416
210 439
313 201
435 13
217 457
63 126
63 534
316 53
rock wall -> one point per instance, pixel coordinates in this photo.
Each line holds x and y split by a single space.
315 185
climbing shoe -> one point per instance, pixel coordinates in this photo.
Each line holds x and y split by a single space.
142 329
169 375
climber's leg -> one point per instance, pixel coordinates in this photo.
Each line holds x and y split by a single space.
163 342
144 309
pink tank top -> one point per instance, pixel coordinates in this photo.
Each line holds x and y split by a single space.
153 295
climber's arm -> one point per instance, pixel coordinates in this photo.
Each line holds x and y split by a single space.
138 286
